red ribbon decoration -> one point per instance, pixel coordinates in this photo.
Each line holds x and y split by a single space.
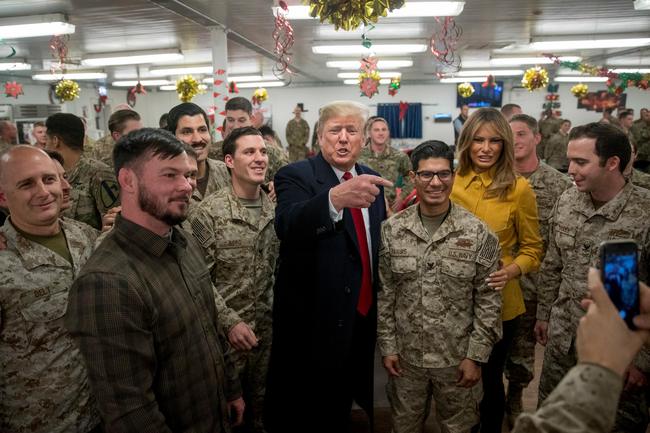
284 38
443 43
403 108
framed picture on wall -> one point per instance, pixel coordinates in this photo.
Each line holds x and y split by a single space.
601 101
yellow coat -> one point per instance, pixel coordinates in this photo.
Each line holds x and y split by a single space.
513 219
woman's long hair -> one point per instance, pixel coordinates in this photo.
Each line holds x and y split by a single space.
504 175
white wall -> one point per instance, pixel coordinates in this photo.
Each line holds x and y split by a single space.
437 98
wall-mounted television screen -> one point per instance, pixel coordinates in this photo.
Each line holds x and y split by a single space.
489 96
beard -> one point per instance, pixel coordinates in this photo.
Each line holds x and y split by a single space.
158 209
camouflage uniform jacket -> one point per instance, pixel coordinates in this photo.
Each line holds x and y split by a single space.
391 164
102 150
641 133
216 151
4 145
94 191
547 184
241 256
219 177
640 178
434 306
297 133
555 151
584 401
576 231
43 382
277 160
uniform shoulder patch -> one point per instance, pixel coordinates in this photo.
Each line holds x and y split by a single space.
109 193
488 251
201 232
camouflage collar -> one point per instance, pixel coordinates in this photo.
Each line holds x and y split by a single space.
610 210
239 212
31 253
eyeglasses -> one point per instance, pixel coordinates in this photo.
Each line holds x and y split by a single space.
427 176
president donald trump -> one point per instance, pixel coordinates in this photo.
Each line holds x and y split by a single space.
328 218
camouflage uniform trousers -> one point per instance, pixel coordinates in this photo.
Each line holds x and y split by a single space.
252 368
296 153
410 397
632 412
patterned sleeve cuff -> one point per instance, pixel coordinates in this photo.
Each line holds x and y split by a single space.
478 352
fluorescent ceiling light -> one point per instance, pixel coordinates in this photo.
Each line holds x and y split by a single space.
15 66
132 83
515 61
382 64
180 70
410 9
242 79
641 5
248 85
588 44
34 26
70 76
502 73
632 71
571 79
379 49
173 87
382 74
134 58
382 81
463 79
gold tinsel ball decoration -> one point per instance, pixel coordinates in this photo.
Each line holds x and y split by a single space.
535 78
350 14
187 88
260 95
465 90
67 90
579 90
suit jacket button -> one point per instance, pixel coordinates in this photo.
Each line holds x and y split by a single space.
347 290
340 323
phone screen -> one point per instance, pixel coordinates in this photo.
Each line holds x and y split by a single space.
620 279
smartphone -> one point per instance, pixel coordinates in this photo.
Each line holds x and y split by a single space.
619 273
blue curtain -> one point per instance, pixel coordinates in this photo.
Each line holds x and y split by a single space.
412 127
409 127
390 112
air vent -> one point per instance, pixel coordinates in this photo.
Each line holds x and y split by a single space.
35 111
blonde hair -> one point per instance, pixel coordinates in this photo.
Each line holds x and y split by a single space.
505 176
342 109
372 121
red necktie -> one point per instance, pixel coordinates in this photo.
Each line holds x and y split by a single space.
365 294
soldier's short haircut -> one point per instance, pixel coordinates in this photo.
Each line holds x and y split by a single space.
239 103
117 121
610 141
39 123
230 142
432 149
162 122
132 149
566 121
55 156
68 128
530 121
184 109
507 109
625 113
343 109
266 130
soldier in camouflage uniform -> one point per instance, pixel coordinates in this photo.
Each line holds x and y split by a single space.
297 132
640 130
190 124
8 134
548 184
94 188
235 228
637 177
555 149
437 317
277 156
548 126
44 383
120 123
602 206
390 163
315 146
